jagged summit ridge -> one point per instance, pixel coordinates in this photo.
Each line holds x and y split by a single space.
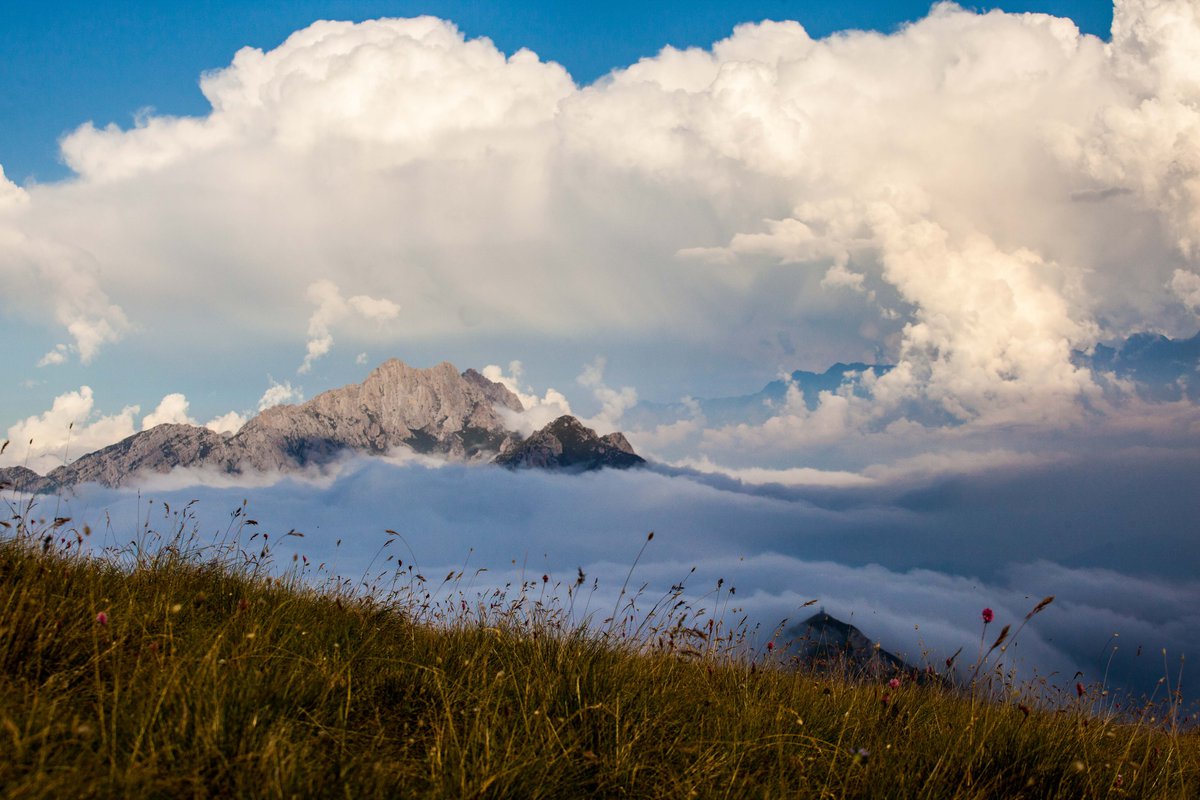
434 410
437 411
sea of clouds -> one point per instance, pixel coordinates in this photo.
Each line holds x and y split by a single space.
912 563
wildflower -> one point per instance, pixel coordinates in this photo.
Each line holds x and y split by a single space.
102 618
988 616
894 683
1079 690
545 579
770 646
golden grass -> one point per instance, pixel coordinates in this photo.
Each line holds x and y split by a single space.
206 677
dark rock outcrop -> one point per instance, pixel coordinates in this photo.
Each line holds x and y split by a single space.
566 444
825 644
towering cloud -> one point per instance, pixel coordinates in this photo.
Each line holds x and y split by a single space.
972 198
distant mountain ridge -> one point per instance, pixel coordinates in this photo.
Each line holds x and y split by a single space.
757 408
437 411
1161 368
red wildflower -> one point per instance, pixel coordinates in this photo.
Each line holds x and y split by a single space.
988 616
102 618
894 683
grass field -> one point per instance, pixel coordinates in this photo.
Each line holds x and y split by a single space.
167 669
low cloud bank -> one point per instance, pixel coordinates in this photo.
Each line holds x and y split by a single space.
912 564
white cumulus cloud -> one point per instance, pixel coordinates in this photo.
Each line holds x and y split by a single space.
171 409
71 427
537 411
994 190
333 309
278 394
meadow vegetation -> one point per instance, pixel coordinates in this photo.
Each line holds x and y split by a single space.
168 668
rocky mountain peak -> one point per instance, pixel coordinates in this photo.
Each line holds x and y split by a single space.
566 443
823 642
437 410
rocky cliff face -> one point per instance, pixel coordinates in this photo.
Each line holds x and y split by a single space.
567 444
23 479
437 411
160 449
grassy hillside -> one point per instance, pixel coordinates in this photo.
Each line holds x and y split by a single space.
189 673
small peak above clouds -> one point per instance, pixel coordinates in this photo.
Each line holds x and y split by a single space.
567 444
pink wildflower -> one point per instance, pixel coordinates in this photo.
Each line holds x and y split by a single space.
894 683
102 618
988 616
770 646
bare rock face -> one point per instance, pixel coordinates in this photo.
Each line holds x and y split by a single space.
567 444
23 479
435 410
160 449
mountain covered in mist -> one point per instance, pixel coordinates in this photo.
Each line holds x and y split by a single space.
436 411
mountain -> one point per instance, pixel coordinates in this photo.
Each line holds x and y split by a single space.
566 444
437 411
23 479
160 449
434 411
824 643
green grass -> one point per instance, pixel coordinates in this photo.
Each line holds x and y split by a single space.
209 678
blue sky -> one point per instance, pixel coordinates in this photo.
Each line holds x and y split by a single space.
628 213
